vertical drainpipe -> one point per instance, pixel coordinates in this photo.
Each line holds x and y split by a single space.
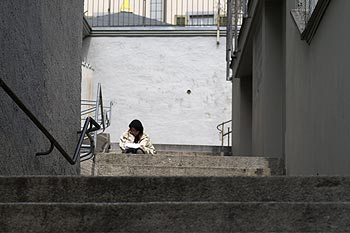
164 10
109 13
218 24
228 38
144 12
232 56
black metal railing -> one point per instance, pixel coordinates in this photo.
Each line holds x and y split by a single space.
133 13
237 10
223 133
102 115
90 153
90 125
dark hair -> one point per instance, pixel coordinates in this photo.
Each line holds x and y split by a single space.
136 124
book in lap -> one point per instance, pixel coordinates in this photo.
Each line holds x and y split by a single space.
132 145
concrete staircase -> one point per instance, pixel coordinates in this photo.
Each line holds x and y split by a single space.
181 160
174 204
116 164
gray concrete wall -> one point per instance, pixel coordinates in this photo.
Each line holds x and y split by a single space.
40 60
257 99
242 116
317 95
148 78
267 103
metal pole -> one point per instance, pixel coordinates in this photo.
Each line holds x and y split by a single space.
228 136
109 13
218 25
222 135
222 140
229 39
236 29
144 12
96 106
165 11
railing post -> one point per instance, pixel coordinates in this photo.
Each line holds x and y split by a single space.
165 11
222 140
218 24
222 135
221 128
228 136
96 107
229 39
144 12
109 13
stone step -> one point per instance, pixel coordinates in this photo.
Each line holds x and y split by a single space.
131 164
183 160
218 217
174 204
173 189
149 170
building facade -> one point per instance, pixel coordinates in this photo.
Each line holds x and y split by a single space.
290 85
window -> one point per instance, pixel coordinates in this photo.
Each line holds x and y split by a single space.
307 16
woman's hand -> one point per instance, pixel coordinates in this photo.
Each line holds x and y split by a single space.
142 147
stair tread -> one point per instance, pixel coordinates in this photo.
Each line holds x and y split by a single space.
182 217
187 159
109 164
176 188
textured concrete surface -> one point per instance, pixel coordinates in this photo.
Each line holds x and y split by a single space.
144 170
148 78
109 164
174 204
174 189
87 168
182 160
176 217
103 142
40 60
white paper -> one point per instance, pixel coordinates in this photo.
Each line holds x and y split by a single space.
132 145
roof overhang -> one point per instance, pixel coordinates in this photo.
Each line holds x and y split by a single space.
241 63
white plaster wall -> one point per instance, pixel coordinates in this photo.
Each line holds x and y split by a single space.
147 78
87 86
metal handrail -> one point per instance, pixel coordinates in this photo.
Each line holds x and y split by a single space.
90 154
102 114
90 125
99 102
221 128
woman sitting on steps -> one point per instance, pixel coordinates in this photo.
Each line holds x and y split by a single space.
135 141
